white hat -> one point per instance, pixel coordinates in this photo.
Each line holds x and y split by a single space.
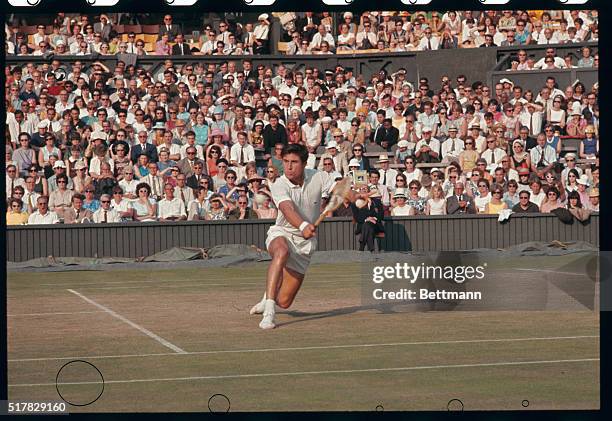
59 164
339 91
519 141
332 145
506 80
263 16
386 14
326 119
399 193
584 180
370 88
60 42
475 126
353 163
43 124
403 144
433 170
347 15
383 158
570 155
426 129
159 126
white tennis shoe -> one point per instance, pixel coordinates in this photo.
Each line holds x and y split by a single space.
267 322
259 307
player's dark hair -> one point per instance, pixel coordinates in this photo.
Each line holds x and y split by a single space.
299 150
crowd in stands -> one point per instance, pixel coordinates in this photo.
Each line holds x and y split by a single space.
87 143
311 33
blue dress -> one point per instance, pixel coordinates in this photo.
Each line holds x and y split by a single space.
590 146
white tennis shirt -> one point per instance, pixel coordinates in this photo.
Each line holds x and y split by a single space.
306 198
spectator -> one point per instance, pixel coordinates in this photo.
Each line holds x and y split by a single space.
106 214
524 205
15 214
368 219
43 215
145 207
459 202
168 28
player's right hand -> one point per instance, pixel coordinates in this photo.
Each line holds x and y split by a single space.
309 231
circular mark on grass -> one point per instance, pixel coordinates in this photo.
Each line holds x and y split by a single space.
380 408
525 403
454 405
79 373
219 404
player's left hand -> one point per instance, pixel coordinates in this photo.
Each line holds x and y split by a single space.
309 231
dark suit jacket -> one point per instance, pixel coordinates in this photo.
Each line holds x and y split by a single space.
391 135
149 150
376 209
452 205
192 181
185 168
104 32
176 50
302 22
173 32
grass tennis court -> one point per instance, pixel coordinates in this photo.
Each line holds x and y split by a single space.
168 340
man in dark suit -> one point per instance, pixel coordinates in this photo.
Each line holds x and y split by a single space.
187 165
387 136
103 28
459 202
168 28
181 48
143 147
199 174
248 71
308 25
369 218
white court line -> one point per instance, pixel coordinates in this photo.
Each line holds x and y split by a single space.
307 348
306 373
131 323
53 314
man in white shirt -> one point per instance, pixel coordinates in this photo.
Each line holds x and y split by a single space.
453 146
105 214
367 38
291 241
550 53
241 153
428 148
13 180
321 36
182 191
492 154
543 156
531 119
387 175
154 181
429 42
171 208
43 216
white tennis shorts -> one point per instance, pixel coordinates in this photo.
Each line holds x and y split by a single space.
300 249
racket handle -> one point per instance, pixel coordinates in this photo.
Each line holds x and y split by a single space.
320 219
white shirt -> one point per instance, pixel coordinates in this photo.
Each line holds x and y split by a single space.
417 174
167 208
129 186
434 145
112 216
317 39
247 150
156 183
447 147
391 177
306 198
311 134
15 182
426 42
174 149
559 62
187 193
493 155
532 121
37 219
550 155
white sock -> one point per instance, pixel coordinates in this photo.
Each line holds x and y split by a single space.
263 300
269 307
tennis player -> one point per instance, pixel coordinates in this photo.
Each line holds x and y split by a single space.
291 240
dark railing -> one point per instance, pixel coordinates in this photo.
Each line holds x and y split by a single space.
422 233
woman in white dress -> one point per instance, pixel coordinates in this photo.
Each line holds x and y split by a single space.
346 40
437 204
484 196
556 115
401 208
412 172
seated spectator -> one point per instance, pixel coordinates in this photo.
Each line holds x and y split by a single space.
15 214
106 214
524 205
459 202
218 208
368 219
43 215
496 204
593 204
242 210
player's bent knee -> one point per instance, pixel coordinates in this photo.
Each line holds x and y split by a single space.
284 302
